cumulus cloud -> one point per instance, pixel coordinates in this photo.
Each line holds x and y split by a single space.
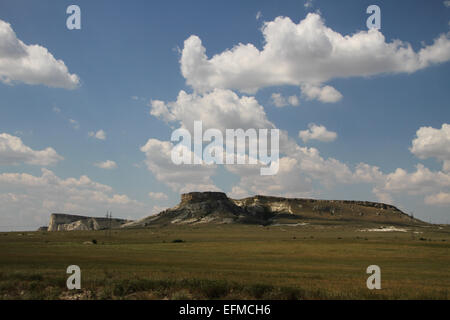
289 181
279 101
368 174
441 198
29 200
180 178
317 132
302 172
31 64
158 196
433 143
108 165
13 151
328 171
326 94
422 181
434 186
223 109
383 196
100 135
219 109
307 53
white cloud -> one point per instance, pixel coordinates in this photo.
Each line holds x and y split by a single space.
317 132
308 4
220 109
29 200
279 101
14 151
290 181
180 178
224 109
305 53
328 171
368 174
302 172
160 110
326 94
258 15
433 185
447 3
422 181
441 198
383 197
293 101
31 64
108 165
100 135
159 196
433 143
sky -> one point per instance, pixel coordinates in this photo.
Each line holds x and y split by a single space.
86 116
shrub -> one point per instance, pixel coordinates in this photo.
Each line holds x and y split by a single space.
212 289
258 291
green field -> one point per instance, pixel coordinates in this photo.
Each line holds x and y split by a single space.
322 260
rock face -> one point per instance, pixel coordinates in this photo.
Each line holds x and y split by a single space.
216 207
67 222
198 207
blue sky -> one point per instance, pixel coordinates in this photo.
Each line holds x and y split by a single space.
128 54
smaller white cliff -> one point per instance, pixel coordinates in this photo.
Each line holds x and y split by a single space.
68 222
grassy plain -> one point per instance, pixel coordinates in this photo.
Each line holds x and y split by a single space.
320 260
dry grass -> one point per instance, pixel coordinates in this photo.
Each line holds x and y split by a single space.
317 261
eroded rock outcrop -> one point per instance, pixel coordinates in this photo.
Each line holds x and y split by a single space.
216 207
